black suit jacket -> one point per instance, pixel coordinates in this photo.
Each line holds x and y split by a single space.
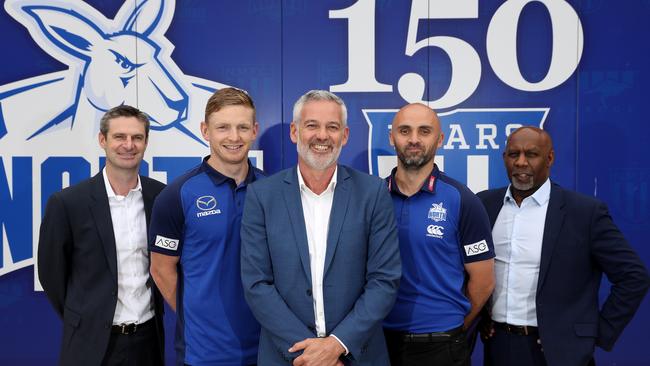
77 266
580 242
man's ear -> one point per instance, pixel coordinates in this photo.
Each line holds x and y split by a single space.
551 158
102 140
256 129
346 135
293 132
204 130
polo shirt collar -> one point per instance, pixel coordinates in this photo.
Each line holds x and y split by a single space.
219 178
428 186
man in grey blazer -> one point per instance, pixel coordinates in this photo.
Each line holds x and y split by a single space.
320 258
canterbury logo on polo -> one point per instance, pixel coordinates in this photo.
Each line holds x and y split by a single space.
435 231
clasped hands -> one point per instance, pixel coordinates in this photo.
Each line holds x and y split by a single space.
318 352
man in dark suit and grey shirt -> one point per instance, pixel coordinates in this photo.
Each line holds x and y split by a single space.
552 246
92 254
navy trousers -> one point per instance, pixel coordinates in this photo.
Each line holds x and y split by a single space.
508 349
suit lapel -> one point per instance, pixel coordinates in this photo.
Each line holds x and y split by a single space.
552 226
147 199
337 214
101 215
493 207
292 199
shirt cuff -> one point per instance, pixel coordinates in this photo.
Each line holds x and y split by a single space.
342 344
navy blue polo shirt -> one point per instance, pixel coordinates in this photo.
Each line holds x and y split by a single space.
441 227
197 217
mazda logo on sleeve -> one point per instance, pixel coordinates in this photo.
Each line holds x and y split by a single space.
205 203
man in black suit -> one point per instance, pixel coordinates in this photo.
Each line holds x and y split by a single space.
552 247
92 254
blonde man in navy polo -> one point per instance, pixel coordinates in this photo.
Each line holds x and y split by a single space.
446 248
195 242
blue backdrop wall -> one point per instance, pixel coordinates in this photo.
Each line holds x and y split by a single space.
576 68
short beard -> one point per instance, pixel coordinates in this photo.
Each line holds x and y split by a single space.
414 162
526 187
315 162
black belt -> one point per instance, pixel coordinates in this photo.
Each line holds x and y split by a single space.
516 329
433 337
131 328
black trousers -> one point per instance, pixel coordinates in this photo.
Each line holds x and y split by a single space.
455 351
138 349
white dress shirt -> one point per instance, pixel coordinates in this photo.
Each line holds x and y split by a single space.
518 233
316 210
134 296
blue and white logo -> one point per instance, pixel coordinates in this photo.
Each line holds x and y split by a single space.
49 123
207 205
125 60
437 213
435 231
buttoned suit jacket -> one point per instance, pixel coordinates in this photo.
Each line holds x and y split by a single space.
580 243
361 273
77 267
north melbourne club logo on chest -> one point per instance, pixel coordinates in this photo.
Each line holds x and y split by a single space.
437 213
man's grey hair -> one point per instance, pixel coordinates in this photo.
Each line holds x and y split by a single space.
123 111
313 95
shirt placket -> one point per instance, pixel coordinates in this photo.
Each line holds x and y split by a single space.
405 222
132 238
128 240
512 253
318 215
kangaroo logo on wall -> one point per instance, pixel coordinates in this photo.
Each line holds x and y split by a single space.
49 123
125 60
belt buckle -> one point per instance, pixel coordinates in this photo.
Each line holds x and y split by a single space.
507 327
517 329
127 329
521 329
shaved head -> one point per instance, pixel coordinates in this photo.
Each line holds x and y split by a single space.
416 111
416 134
